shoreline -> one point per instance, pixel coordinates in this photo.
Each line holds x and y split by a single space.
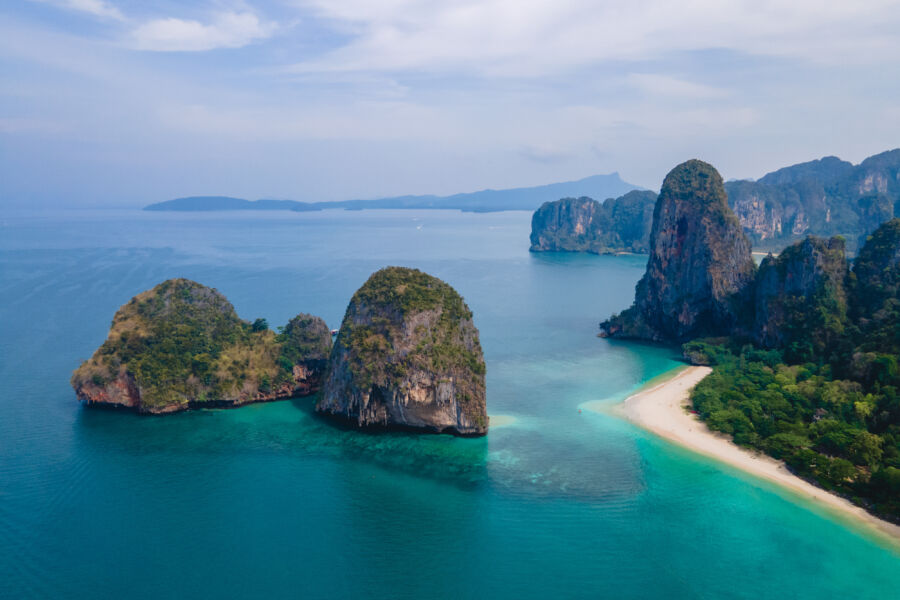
661 409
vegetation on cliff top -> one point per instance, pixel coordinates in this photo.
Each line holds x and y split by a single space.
384 337
182 342
801 303
875 280
305 338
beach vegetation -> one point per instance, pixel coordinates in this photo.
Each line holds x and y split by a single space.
826 399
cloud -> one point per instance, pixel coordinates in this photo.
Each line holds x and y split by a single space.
225 30
544 155
98 8
663 85
538 38
364 120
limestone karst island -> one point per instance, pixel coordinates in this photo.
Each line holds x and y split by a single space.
478 299
407 355
803 348
181 345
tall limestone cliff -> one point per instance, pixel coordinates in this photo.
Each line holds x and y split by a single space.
585 225
801 302
822 197
407 355
181 345
700 271
772 215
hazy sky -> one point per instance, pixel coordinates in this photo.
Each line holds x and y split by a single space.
125 102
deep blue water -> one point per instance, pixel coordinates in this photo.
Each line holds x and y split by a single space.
270 501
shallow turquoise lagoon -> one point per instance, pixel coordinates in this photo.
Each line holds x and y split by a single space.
270 501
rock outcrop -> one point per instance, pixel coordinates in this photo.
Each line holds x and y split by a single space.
772 214
822 197
305 348
700 271
800 296
585 225
407 355
875 283
824 170
874 306
181 345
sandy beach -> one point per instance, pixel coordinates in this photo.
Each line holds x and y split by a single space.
662 410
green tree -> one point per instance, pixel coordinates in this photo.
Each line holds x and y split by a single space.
865 448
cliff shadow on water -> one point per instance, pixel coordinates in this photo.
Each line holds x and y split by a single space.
532 459
285 427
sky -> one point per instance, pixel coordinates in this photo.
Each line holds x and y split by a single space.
119 103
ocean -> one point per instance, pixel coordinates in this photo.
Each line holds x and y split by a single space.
271 501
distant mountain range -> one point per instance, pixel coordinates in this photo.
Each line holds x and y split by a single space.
527 198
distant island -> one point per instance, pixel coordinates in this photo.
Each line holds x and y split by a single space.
585 225
803 349
527 198
822 197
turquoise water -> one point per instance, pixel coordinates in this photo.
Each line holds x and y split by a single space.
270 501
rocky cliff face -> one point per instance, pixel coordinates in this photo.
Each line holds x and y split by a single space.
631 219
407 355
821 197
878 174
700 270
585 225
181 345
800 294
564 225
769 213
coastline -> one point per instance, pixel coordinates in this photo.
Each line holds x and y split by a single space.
661 409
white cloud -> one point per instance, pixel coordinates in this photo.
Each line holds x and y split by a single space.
537 38
383 120
544 154
225 30
98 8
663 85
